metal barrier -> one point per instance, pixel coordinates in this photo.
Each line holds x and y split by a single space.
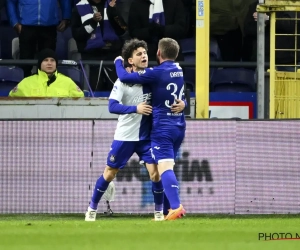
284 93
287 95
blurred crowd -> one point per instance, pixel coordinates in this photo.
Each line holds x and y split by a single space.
97 29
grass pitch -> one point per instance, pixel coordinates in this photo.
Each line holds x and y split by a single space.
131 232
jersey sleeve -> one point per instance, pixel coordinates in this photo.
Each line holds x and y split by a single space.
145 76
117 108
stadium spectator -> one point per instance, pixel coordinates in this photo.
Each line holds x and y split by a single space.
168 129
226 25
36 22
287 26
124 6
74 2
47 82
155 19
2 5
189 7
98 28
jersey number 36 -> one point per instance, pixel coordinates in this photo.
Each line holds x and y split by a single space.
173 87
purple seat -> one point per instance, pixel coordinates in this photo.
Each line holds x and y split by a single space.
10 76
190 77
188 45
233 80
189 73
74 73
214 51
214 55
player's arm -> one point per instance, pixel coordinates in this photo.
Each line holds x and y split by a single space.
142 77
115 107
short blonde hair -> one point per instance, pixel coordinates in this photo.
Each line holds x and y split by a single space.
169 48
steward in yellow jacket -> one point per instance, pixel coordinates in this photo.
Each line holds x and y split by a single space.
48 82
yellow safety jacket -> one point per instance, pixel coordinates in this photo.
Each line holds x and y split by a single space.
37 86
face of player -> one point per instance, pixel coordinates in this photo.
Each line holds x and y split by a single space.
139 59
48 65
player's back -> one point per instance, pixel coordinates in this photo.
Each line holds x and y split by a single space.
169 86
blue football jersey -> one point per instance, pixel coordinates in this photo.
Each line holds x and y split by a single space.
167 84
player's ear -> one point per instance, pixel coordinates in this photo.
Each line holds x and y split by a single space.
158 52
130 60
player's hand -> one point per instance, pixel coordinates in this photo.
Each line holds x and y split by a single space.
178 107
117 58
129 69
144 109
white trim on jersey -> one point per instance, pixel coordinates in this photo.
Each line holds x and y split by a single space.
164 160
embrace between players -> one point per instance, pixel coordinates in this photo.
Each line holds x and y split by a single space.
154 132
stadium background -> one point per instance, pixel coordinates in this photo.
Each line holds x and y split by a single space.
52 150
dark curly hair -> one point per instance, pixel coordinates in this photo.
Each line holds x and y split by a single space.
130 46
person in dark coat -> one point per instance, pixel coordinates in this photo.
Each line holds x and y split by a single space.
155 19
